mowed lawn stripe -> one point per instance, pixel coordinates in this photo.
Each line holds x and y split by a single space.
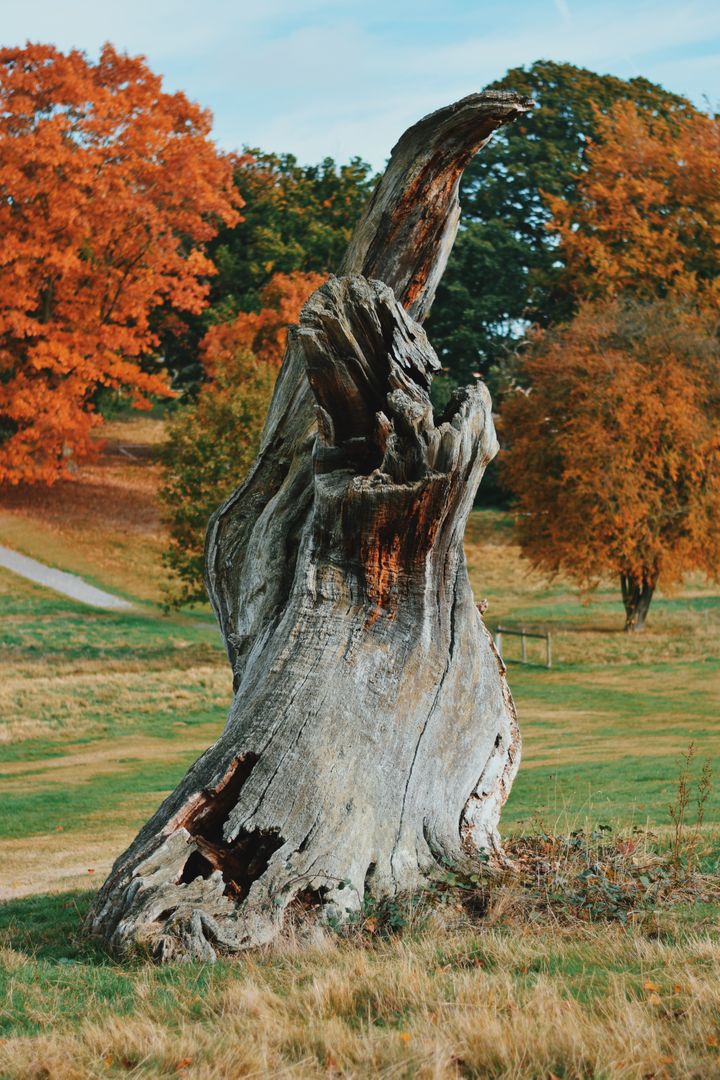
125 793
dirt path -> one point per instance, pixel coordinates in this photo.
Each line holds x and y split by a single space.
60 581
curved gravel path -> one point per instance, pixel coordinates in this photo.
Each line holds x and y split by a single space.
68 584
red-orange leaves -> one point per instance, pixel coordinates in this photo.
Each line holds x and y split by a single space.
263 332
614 451
109 188
647 220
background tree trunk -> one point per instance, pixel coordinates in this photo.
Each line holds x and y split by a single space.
372 731
636 594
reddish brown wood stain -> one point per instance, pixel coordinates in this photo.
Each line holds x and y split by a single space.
433 193
393 550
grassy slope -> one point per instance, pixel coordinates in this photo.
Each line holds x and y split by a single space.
103 712
603 730
106 524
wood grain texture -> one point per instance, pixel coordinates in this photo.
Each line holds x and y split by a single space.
372 733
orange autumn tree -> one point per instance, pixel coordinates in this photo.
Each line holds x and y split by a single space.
614 453
260 332
109 188
647 217
213 441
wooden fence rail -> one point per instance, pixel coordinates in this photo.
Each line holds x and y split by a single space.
523 635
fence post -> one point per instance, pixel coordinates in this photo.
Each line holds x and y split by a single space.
524 634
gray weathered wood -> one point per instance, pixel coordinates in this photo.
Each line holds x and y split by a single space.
372 731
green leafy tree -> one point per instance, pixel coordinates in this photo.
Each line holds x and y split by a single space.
296 218
505 271
212 441
211 444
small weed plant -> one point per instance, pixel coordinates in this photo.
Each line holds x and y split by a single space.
692 791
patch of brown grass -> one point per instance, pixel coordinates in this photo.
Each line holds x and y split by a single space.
71 703
130 431
449 1004
59 861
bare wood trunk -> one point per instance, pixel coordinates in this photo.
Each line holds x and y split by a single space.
372 731
637 595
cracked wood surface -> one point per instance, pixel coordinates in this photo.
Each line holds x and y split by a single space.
372 732
403 239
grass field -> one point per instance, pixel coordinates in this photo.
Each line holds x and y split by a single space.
101 714
106 524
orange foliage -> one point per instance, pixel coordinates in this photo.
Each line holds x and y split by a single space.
109 188
261 333
647 219
212 441
615 450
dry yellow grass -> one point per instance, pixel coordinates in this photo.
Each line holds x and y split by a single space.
58 862
71 703
109 756
450 1003
131 430
589 629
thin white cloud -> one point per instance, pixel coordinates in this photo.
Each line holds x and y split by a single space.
359 93
318 77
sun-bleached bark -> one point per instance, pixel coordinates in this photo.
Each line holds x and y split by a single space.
372 733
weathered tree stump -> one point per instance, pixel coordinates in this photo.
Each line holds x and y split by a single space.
372 733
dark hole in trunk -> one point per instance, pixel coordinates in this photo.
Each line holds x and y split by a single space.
240 861
246 859
308 899
208 821
196 866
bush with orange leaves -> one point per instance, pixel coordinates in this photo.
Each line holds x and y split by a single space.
213 441
614 451
109 188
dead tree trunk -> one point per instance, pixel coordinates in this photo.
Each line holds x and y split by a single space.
372 731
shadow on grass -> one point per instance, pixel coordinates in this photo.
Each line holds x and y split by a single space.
50 927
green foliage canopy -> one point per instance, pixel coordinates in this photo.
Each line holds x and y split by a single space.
505 271
211 444
295 218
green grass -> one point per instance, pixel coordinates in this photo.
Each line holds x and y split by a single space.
129 796
72 633
604 729
67 973
102 712
623 791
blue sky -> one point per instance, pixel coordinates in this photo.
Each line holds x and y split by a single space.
317 77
